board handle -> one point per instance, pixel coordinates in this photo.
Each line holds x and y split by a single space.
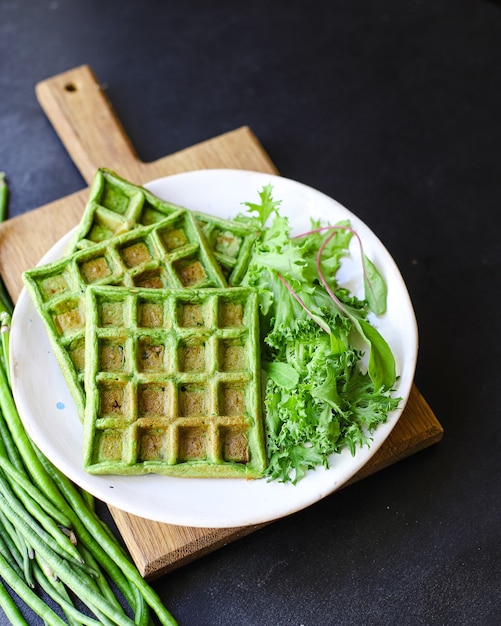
84 120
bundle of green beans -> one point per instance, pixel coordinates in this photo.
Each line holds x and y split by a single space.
56 554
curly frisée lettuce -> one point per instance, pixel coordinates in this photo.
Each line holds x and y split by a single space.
330 375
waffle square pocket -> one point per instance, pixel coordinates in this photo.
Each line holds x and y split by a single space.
231 243
173 383
171 253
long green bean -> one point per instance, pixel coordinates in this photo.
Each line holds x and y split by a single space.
29 597
10 552
86 539
102 545
5 341
4 197
89 500
4 207
5 299
101 581
32 490
20 479
10 608
8 449
31 529
64 571
112 548
23 443
57 591
23 505
19 549
141 609
94 587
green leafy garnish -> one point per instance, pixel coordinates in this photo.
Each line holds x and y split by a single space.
319 398
267 206
375 287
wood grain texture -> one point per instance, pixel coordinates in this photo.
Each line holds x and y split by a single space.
93 136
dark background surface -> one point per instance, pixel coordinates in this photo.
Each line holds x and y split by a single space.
394 109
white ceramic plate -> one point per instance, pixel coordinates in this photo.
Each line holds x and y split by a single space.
49 413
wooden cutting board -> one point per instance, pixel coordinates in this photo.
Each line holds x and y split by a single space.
82 116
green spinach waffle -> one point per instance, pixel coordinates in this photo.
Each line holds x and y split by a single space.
172 383
231 243
116 206
169 254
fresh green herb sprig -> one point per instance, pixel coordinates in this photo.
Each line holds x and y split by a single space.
319 399
4 208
